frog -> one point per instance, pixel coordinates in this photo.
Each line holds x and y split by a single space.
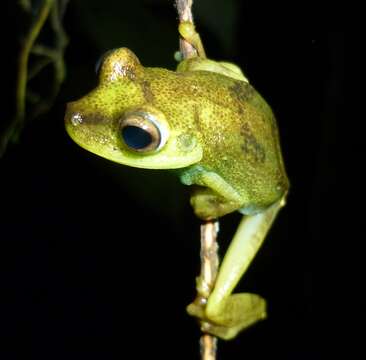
206 123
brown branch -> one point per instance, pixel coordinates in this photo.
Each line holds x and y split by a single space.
209 258
209 267
209 247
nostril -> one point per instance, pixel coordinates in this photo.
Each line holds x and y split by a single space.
72 116
76 119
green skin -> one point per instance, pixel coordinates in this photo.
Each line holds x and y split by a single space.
219 134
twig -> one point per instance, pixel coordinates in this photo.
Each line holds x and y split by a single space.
209 247
209 266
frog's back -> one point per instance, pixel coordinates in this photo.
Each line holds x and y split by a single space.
235 125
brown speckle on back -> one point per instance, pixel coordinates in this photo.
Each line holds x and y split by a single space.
252 149
147 92
196 117
129 72
242 91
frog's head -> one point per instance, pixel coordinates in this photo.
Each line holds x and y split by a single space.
117 122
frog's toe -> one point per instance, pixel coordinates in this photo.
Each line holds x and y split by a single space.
196 309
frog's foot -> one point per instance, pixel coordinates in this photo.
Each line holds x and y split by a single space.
237 313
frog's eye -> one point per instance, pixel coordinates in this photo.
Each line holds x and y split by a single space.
142 132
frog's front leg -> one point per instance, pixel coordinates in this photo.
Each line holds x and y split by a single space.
225 314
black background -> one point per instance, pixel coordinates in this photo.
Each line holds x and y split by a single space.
97 263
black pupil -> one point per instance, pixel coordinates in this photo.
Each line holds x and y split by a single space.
135 137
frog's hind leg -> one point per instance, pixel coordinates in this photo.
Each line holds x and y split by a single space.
226 314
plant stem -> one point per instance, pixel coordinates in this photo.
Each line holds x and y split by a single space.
209 267
209 247
23 60
17 123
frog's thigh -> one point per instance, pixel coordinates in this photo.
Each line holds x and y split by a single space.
245 244
220 186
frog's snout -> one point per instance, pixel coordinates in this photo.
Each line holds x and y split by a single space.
85 127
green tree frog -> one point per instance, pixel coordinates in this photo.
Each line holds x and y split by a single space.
206 121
